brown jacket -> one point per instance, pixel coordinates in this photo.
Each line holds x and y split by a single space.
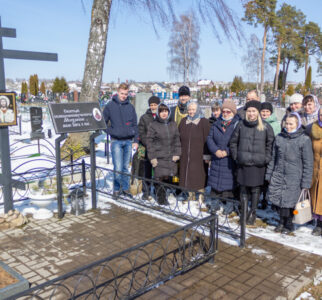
316 189
193 145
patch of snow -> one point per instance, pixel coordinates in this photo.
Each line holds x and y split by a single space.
305 296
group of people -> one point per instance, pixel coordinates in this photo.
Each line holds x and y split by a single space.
239 154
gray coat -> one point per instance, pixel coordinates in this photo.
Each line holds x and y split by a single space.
290 169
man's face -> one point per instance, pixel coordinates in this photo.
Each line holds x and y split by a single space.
123 94
216 113
153 107
251 96
3 104
296 106
184 99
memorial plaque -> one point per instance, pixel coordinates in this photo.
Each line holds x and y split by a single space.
36 123
8 111
76 117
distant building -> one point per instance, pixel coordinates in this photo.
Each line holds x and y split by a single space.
158 88
205 83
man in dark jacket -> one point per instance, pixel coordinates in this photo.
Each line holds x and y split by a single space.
144 124
251 95
121 121
177 113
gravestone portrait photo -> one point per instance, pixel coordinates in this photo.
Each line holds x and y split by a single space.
8 113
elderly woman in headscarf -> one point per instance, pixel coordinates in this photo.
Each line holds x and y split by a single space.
194 130
311 107
316 188
290 170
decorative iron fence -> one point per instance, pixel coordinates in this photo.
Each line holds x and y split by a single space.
134 271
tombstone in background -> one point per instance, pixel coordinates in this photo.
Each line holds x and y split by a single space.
141 104
36 123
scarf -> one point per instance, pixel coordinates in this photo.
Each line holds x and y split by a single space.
225 123
315 115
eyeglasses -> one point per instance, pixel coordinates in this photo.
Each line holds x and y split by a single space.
226 112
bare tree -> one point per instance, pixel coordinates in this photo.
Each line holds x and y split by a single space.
252 60
184 46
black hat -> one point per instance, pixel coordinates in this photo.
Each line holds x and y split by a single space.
267 105
184 91
154 99
253 103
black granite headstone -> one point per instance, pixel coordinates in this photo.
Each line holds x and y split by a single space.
36 123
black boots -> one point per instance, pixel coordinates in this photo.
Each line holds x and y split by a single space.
161 195
279 228
251 216
317 231
288 225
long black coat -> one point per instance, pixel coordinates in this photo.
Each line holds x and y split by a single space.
143 126
193 144
163 142
251 147
290 169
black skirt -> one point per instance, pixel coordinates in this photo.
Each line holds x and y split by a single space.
250 176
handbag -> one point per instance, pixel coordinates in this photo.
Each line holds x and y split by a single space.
303 209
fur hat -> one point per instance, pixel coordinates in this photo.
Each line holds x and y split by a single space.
184 91
296 98
253 103
229 104
154 99
267 105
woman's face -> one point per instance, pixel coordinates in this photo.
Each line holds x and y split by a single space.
192 109
265 113
309 107
252 113
164 114
227 113
216 113
290 124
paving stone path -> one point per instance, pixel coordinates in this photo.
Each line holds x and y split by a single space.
45 249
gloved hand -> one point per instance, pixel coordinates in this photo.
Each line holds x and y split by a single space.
175 158
154 162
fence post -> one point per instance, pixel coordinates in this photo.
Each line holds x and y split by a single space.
212 235
93 167
107 149
83 176
243 215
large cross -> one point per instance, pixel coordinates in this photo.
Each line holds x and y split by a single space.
5 178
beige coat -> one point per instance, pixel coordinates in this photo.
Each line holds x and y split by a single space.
316 189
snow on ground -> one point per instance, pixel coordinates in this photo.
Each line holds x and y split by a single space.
301 238
307 295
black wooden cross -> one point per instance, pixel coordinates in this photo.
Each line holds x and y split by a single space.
5 178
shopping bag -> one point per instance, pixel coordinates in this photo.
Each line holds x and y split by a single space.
303 209
135 183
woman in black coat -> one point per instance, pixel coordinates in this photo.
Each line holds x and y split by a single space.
290 170
164 149
251 147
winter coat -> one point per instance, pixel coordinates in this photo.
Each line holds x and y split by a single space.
221 176
212 120
290 169
163 142
144 124
193 139
272 120
251 147
177 114
121 119
316 189
241 112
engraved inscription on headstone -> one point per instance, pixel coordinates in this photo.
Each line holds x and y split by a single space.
76 117
36 123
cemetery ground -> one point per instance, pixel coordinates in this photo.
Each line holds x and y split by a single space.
44 249
271 266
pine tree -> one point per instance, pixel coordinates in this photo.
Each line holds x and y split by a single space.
43 88
60 85
237 85
308 79
32 85
24 88
64 85
36 84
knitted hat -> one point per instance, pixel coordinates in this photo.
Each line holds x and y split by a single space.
184 91
154 99
229 104
267 105
253 103
296 98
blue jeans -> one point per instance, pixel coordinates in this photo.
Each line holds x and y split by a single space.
121 155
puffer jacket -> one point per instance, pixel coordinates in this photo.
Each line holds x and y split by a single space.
144 124
221 176
163 142
251 147
290 169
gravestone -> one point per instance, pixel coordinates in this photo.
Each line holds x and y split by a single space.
141 103
36 123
